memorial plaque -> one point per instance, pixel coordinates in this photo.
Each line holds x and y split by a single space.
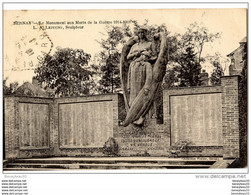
85 124
34 125
197 119
150 140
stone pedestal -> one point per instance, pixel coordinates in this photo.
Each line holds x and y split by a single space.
151 139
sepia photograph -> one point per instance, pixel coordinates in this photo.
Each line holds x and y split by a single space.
124 89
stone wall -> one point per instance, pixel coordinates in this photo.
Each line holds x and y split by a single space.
152 139
230 116
10 136
13 131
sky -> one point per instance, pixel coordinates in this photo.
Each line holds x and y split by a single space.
23 45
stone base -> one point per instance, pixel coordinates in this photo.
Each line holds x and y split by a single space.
151 139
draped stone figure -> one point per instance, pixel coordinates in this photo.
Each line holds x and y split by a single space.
142 68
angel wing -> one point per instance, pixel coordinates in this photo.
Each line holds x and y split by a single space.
124 66
142 104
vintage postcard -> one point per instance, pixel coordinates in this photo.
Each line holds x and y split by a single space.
124 89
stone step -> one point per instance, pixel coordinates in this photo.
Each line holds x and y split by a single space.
78 163
116 161
30 169
16 166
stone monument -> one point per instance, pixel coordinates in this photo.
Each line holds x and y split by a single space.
142 68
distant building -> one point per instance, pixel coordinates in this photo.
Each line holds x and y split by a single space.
33 89
236 57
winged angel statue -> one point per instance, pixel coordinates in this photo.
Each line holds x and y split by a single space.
142 68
